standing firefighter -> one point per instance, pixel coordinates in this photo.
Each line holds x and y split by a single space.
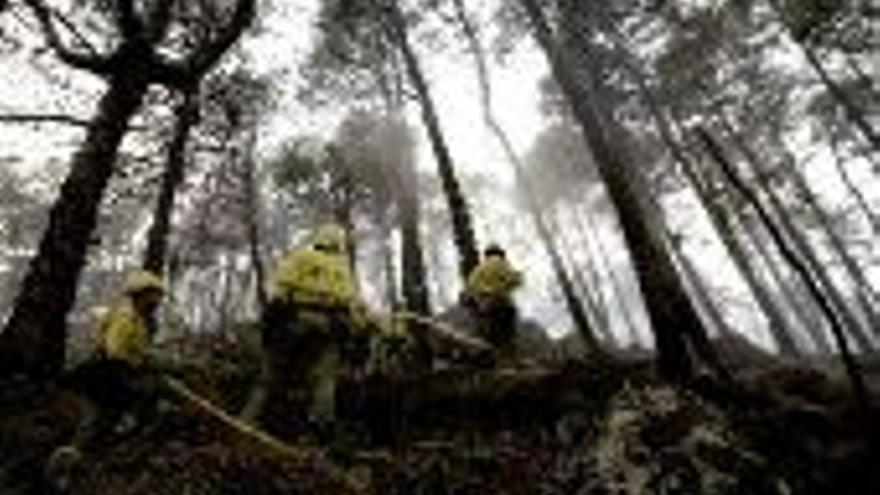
314 327
118 379
488 295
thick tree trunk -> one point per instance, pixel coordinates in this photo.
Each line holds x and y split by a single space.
462 224
187 116
33 341
673 318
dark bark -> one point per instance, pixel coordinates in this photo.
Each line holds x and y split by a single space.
187 116
837 327
414 283
33 340
462 224
673 318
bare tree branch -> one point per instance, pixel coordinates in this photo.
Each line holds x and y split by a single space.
75 32
201 61
27 118
96 64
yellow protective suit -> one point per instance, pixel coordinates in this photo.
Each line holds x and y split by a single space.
493 279
123 334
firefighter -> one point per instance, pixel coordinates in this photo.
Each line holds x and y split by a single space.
119 378
314 329
488 295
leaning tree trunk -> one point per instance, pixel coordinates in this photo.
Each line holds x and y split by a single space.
873 218
802 310
852 366
187 116
33 340
863 291
672 315
801 246
597 313
699 289
587 229
849 107
462 224
778 325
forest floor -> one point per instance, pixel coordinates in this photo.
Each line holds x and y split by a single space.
566 428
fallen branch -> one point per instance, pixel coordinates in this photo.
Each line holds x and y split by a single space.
311 456
446 331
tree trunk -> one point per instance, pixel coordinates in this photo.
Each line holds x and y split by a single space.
851 110
252 222
187 116
801 246
699 290
590 289
863 290
837 326
388 270
462 224
778 325
801 311
414 283
588 232
33 340
673 318
873 218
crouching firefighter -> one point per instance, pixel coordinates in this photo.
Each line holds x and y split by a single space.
118 380
488 296
315 329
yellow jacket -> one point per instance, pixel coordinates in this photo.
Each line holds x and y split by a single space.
319 282
313 278
123 334
493 279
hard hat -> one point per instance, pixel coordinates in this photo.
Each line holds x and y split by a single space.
330 237
143 280
494 249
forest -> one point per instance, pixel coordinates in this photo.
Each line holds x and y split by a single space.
439 246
